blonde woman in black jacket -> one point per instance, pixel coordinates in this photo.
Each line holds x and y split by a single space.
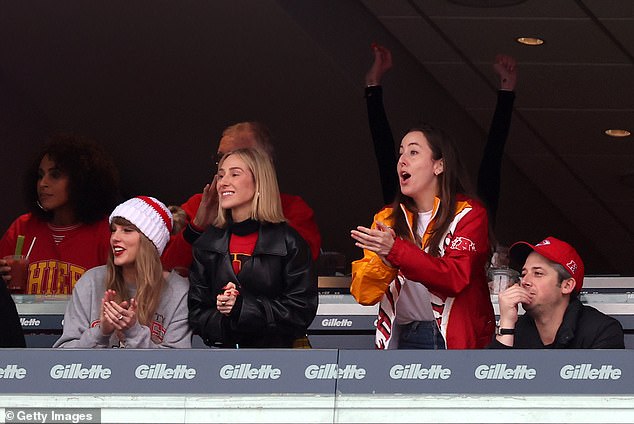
252 281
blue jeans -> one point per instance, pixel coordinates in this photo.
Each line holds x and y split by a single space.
420 335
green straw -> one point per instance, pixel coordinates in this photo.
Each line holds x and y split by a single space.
19 245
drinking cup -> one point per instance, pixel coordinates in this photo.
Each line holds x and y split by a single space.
19 273
502 278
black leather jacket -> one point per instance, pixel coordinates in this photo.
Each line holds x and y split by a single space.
278 289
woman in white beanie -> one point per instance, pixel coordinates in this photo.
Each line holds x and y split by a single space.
253 283
130 302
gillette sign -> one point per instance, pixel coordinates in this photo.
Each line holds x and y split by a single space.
30 322
249 372
334 371
334 322
587 372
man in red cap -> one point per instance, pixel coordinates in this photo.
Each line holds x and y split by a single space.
555 318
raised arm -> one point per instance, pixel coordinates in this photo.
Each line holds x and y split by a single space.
382 138
490 166
201 210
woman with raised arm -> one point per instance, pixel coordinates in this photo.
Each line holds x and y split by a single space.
488 183
425 255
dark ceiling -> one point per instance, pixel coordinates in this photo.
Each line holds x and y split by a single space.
157 81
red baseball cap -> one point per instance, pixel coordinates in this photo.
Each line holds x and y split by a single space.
554 250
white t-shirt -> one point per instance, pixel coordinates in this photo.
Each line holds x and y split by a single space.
414 301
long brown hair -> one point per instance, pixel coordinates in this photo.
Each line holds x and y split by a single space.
149 276
451 181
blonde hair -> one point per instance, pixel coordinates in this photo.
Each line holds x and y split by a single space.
266 205
149 276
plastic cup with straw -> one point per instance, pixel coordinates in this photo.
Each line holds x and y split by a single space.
19 266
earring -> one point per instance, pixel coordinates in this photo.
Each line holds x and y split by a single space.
39 205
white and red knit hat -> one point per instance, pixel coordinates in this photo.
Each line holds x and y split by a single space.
150 216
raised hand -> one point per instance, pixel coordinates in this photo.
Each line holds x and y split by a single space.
382 63
208 209
506 68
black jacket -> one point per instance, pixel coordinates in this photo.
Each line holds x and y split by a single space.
583 327
278 289
11 334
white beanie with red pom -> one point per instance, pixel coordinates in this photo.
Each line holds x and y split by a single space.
150 216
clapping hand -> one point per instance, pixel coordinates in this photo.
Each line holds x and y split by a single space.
378 240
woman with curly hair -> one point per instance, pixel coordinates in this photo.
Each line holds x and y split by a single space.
70 188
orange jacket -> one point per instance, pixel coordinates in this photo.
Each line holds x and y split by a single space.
458 276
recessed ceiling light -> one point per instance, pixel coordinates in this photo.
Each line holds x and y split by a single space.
618 133
530 41
487 3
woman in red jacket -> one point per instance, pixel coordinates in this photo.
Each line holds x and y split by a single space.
425 256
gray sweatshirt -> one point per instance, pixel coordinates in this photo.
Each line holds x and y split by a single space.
169 327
